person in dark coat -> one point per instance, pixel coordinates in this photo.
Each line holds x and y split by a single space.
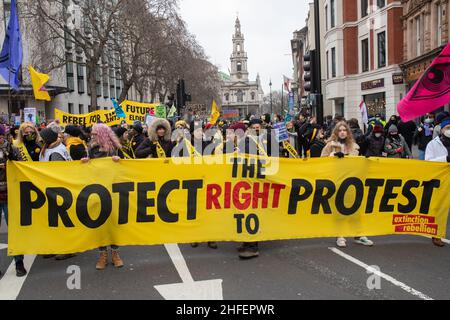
75 145
424 134
375 142
137 135
407 130
159 143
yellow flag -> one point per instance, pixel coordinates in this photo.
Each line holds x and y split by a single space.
215 114
38 81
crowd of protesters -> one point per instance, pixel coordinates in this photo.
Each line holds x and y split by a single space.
253 135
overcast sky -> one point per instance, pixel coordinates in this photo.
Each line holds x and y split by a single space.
267 26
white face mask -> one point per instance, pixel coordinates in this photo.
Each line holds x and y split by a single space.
378 135
447 133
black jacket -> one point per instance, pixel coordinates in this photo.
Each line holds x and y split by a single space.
375 146
137 141
421 139
148 148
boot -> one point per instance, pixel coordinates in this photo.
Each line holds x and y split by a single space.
20 269
118 263
102 261
213 245
438 242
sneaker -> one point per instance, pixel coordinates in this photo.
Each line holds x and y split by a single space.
248 254
20 269
364 241
213 245
341 243
194 245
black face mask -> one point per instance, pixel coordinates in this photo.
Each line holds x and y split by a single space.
395 136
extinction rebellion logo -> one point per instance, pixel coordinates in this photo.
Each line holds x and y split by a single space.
415 224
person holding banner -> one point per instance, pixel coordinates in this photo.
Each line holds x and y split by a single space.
28 142
438 150
105 144
395 145
343 144
75 146
8 152
424 134
137 135
158 145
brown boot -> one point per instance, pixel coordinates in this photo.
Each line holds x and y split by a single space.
118 263
438 242
102 261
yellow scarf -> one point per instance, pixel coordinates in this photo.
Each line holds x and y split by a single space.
262 151
23 151
290 149
74 141
160 151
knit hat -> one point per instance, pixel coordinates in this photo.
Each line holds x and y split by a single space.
393 128
49 136
137 126
181 123
378 129
2 130
73 131
120 132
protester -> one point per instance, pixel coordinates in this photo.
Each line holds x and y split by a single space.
407 130
8 152
105 144
28 142
424 134
342 144
158 144
375 142
75 145
394 120
437 129
302 127
395 145
127 151
358 135
137 135
317 144
438 150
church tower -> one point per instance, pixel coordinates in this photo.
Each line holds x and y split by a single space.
239 71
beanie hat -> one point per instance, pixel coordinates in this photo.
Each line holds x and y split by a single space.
74 131
393 128
2 130
49 136
138 127
378 129
255 121
120 132
441 116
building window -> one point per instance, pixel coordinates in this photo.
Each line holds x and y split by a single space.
70 73
326 18
240 96
71 111
381 3
381 49
439 23
365 55
419 36
80 75
333 62
332 14
364 8
105 76
253 96
328 66
112 81
239 66
238 47
98 79
81 108
227 97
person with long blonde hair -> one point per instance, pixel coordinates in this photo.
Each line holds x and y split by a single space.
28 142
341 144
105 144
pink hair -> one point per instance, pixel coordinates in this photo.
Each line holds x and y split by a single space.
106 139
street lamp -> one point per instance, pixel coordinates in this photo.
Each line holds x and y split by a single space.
270 85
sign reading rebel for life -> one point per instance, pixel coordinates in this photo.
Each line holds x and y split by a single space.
157 201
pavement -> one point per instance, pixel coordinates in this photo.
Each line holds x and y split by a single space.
408 268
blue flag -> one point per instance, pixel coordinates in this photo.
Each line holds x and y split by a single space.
12 54
119 111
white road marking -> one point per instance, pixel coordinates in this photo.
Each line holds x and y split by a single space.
10 285
3 246
189 289
446 241
382 275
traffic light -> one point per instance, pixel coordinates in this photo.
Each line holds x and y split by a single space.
182 96
309 76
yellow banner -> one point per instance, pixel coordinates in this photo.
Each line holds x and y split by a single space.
134 111
156 201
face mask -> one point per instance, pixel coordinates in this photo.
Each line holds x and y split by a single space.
447 133
429 121
378 135
30 137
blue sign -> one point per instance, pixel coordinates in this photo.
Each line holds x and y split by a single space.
281 130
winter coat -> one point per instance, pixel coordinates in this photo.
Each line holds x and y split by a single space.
375 146
437 151
407 130
316 148
96 153
137 141
334 147
76 147
7 152
148 148
397 148
422 137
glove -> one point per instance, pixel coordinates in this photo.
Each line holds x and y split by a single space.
340 155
